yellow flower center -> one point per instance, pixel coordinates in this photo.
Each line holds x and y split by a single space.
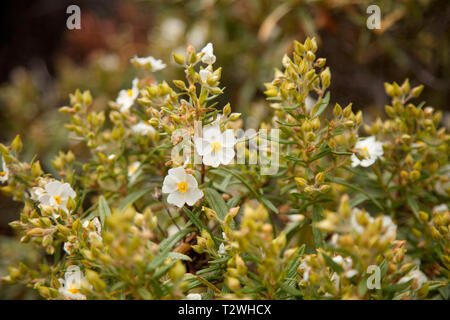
73 289
130 92
182 186
216 146
57 199
2 173
365 149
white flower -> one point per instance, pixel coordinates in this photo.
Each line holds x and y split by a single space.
54 194
208 57
204 75
181 187
4 172
133 168
295 217
309 103
216 147
347 265
389 229
149 63
440 208
369 150
222 250
143 129
71 284
197 34
194 296
418 277
126 98
306 269
354 222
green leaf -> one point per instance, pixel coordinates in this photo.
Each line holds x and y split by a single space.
217 203
245 182
351 186
333 265
413 204
103 209
316 217
179 256
133 197
321 105
144 294
165 246
194 219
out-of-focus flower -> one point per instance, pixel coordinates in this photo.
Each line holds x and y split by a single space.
149 63
4 172
418 277
389 229
71 284
143 129
126 98
197 35
309 103
194 296
54 194
356 218
133 168
181 187
208 57
440 208
306 269
216 147
369 150
171 30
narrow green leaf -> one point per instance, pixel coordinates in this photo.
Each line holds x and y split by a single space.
133 197
333 265
321 105
103 209
316 217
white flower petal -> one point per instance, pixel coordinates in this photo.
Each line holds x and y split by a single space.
193 195
176 198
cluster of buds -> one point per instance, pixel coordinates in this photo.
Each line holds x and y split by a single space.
369 244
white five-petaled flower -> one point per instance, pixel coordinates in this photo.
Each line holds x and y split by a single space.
216 147
126 98
54 194
418 277
71 284
149 62
369 150
4 172
194 296
181 187
208 57
143 129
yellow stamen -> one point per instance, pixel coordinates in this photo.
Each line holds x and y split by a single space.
216 146
365 149
57 199
182 186
130 92
73 289
2 173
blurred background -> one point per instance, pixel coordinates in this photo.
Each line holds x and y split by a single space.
42 61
